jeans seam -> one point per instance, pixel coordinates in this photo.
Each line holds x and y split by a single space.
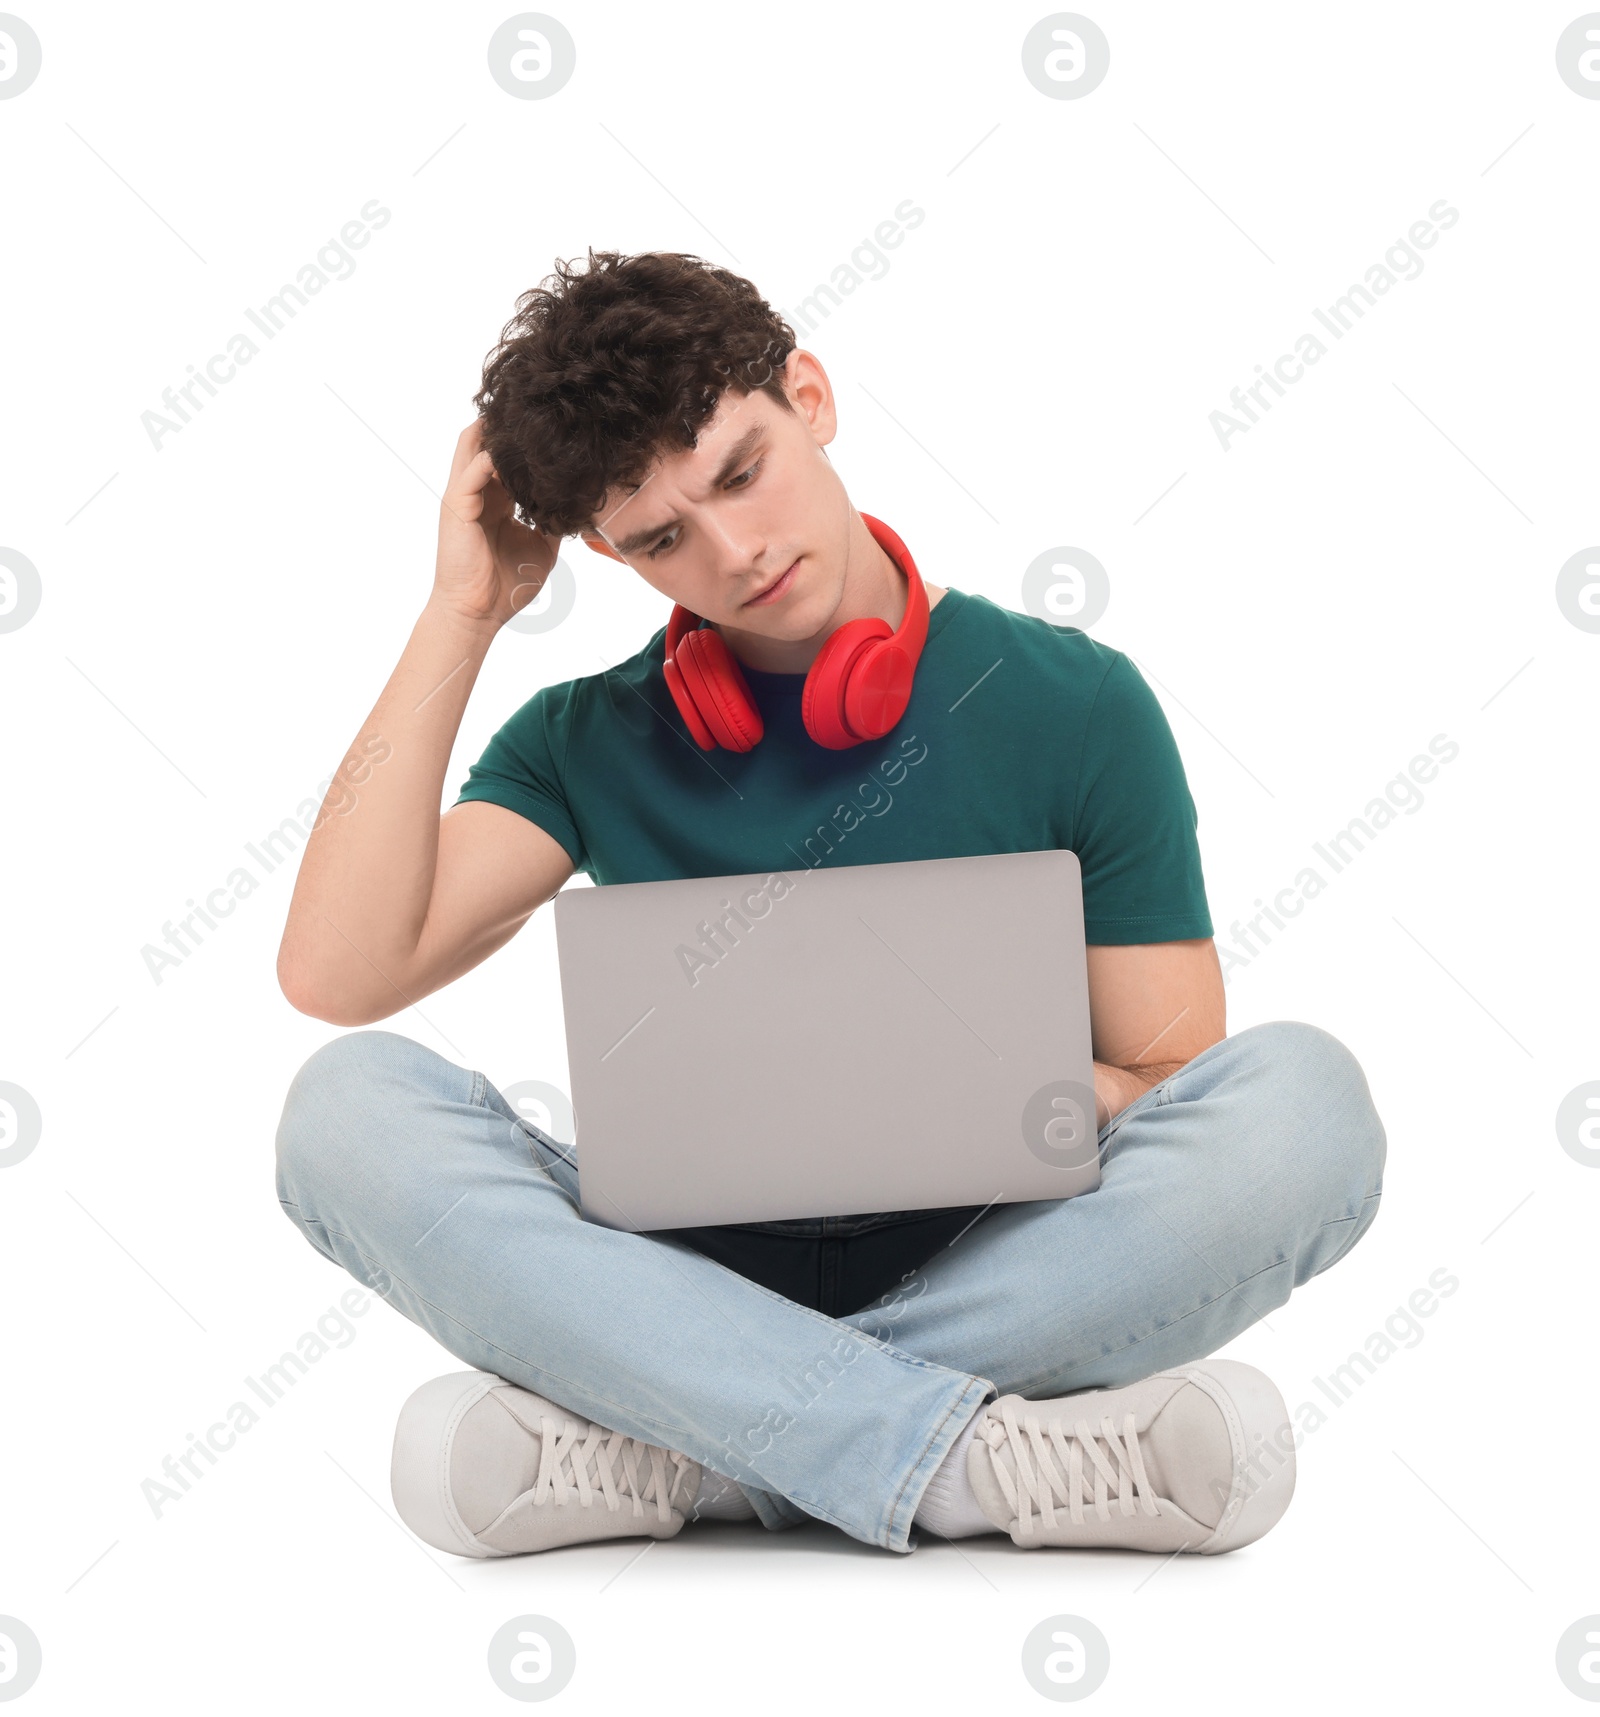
1355 1215
373 1266
1173 1323
887 1526
1266 1269
1353 1218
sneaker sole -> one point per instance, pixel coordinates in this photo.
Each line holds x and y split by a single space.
419 1470
1261 1413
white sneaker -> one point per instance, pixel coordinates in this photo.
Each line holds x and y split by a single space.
1198 1459
483 1468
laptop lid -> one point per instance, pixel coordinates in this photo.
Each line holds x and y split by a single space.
884 1037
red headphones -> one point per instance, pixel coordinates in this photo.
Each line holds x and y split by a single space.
857 688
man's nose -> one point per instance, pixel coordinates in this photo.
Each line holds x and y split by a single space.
736 546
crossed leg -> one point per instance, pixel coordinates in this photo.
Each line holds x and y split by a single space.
1251 1169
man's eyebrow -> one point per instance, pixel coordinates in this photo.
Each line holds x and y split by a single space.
734 458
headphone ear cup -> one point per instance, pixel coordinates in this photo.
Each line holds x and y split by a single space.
720 693
877 689
823 704
687 708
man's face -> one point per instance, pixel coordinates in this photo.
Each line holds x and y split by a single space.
751 528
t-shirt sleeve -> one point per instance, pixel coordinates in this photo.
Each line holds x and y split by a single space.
1134 823
518 769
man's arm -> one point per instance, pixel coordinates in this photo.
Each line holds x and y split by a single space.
1154 1007
392 900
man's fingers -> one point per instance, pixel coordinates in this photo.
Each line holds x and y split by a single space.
468 482
469 445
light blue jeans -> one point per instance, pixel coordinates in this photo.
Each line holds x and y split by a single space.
1244 1174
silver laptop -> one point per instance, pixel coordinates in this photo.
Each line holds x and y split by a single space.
880 1037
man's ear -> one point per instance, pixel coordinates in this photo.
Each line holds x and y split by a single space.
600 545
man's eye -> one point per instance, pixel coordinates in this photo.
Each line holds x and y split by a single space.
666 543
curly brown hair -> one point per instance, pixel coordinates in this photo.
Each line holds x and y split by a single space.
601 370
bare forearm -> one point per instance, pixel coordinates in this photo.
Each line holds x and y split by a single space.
366 877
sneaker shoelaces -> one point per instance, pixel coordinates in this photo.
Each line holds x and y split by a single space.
1056 1465
602 1464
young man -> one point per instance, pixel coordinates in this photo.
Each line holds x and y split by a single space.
1037 1369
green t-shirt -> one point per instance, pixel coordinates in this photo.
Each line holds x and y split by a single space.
1020 736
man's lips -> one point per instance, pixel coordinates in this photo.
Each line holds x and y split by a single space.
774 590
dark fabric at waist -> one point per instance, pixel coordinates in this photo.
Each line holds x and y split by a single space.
866 1222
833 1264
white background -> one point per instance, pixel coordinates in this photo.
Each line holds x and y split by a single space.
1372 565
